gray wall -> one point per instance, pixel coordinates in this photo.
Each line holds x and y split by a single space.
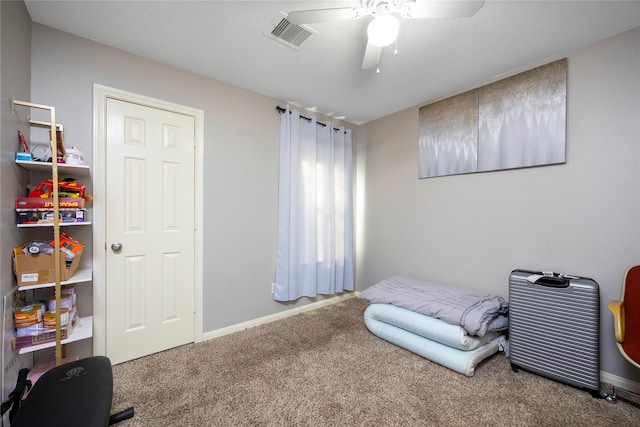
580 218
15 77
16 80
241 132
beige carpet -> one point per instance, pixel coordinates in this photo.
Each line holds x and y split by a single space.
324 368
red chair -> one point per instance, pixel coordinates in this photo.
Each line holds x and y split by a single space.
626 316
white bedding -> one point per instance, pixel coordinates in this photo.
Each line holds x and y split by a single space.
426 326
443 343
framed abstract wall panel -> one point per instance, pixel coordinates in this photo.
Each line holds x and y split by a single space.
448 136
516 122
523 119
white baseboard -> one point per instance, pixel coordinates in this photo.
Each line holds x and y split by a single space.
273 317
620 382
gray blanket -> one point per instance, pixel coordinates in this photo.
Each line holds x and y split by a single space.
477 312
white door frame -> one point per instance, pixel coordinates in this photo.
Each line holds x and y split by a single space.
100 96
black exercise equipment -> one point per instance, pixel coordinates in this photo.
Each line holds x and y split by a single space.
77 393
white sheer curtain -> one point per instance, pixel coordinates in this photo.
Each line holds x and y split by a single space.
315 214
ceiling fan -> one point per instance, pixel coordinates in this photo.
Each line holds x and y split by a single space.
383 28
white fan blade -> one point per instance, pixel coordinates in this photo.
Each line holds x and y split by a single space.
441 9
371 56
299 17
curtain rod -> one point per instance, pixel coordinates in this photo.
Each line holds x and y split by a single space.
282 110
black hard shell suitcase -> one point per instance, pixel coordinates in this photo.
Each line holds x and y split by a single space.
554 327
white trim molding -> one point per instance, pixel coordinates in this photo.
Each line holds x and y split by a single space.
620 382
273 317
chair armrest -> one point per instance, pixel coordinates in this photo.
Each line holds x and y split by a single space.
617 308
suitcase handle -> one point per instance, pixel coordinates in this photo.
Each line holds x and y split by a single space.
550 281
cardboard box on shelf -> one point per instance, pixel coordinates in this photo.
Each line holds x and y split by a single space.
47 203
33 269
45 216
48 335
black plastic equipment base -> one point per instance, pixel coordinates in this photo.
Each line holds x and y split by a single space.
75 394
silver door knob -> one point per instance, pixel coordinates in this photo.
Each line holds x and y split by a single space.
116 247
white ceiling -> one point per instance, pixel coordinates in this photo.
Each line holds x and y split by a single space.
437 58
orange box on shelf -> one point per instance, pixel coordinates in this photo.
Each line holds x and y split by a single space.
69 245
33 269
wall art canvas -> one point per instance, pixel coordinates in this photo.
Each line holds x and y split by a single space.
523 119
516 122
449 136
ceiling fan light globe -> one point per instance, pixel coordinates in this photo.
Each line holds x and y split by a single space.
383 30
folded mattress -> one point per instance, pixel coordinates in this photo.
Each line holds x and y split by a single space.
477 312
443 343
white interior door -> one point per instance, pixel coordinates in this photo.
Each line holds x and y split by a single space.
149 230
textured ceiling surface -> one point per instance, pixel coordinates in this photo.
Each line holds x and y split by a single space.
226 40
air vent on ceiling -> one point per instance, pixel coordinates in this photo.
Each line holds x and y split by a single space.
292 35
